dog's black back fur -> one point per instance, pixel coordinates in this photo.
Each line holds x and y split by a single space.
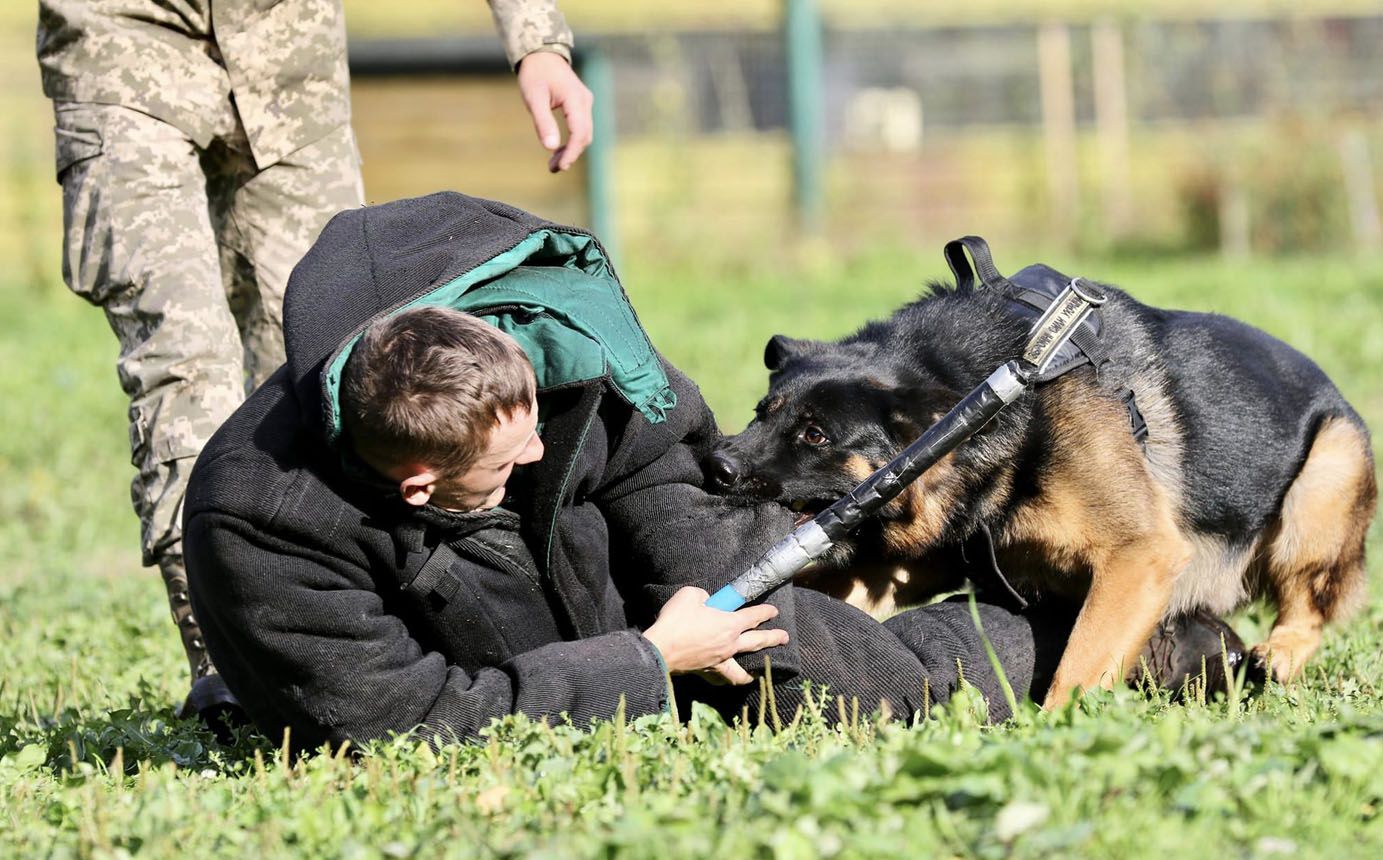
1249 406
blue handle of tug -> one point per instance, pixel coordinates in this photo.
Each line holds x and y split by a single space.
727 599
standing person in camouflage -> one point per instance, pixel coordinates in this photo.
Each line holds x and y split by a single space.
200 147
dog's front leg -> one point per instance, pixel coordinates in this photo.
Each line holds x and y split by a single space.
1129 593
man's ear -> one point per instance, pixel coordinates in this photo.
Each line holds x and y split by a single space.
781 349
418 489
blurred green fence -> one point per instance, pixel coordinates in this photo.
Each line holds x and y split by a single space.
1169 127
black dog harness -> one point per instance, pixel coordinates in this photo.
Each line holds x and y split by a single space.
1030 292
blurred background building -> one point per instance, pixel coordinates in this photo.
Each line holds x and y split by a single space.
1163 126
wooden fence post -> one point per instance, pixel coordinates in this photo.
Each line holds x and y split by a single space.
1236 220
1112 124
1059 127
1359 190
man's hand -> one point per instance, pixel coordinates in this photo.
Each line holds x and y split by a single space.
693 637
729 672
547 82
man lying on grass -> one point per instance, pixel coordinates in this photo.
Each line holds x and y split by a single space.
473 490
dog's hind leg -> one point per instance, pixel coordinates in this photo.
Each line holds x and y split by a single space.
1314 554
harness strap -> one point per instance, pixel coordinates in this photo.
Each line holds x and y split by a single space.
1033 299
1094 348
434 579
984 264
1084 339
987 575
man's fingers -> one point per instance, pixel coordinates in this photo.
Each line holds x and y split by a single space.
548 83
733 672
692 594
725 672
758 640
538 99
580 126
753 616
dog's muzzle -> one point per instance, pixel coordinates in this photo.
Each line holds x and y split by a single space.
722 471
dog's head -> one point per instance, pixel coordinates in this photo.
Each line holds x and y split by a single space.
834 413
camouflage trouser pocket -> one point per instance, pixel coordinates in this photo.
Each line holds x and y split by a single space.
163 452
79 142
134 204
158 433
78 136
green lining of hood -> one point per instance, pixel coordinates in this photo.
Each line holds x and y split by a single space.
557 296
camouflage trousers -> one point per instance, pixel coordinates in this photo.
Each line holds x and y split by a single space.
187 250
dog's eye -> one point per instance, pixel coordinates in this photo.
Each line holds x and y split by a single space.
813 436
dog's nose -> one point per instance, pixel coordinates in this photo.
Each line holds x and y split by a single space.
722 470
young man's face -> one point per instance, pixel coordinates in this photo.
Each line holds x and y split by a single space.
513 442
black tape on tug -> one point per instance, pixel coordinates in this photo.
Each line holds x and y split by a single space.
976 410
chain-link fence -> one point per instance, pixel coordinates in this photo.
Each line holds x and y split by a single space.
963 78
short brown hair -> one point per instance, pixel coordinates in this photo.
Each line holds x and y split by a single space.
428 385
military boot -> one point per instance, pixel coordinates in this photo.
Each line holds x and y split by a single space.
180 603
174 580
1191 649
210 698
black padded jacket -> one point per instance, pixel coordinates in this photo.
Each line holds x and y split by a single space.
324 600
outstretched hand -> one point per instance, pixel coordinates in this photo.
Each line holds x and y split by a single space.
693 637
547 83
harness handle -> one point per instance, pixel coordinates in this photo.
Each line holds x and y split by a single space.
984 264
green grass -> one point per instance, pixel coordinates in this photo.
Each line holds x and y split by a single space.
92 762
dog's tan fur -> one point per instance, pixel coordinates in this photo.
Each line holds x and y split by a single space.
882 588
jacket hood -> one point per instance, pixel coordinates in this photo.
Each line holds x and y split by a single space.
550 287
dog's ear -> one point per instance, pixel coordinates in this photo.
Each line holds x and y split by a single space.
781 349
916 407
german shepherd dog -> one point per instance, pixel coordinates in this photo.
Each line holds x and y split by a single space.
1256 478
